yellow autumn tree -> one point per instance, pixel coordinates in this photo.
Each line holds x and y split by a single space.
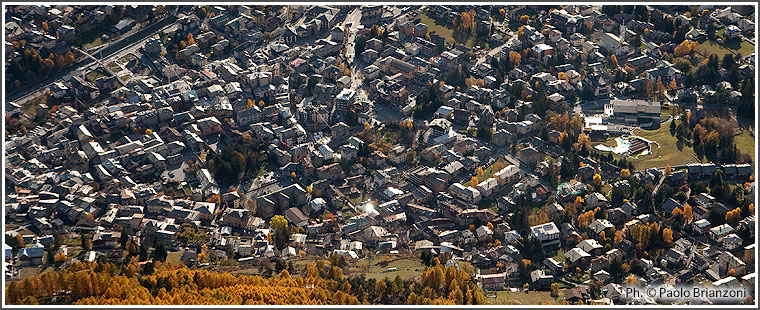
667 235
625 173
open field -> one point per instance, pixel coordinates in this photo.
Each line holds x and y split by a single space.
521 298
95 74
708 47
25 272
174 256
408 268
666 153
446 32
745 142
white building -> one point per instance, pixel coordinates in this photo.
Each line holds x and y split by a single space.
487 187
548 233
468 193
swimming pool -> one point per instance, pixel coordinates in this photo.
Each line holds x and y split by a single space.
623 145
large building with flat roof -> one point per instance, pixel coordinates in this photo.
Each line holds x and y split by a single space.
632 111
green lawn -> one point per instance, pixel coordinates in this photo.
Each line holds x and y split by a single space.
720 32
126 58
443 30
26 272
560 257
746 143
97 41
521 298
114 67
708 47
408 268
174 256
95 74
666 153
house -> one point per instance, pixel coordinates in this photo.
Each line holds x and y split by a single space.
295 216
487 187
548 233
718 232
468 194
32 256
601 225
731 241
539 280
701 226
591 247
576 256
577 294
493 282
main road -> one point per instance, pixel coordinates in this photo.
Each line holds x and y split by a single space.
116 48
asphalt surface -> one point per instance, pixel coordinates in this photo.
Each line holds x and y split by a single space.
112 49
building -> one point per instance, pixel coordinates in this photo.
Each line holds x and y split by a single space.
548 233
493 282
468 194
633 111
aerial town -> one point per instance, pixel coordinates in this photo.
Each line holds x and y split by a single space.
377 154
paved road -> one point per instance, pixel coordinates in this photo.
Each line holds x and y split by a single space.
100 64
115 48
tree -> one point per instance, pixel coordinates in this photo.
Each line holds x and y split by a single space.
279 225
380 287
667 169
614 61
160 253
524 19
624 173
86 242
597 179
19 241
687 214
618 237
667 235
515 58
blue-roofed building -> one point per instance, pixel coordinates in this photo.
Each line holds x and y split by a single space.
32 256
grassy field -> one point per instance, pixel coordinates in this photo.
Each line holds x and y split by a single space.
521 298
126 58
745 142
95 42
666 153
408 268
95 74
174 256
708 47
26 272
443 30
114 67
560 257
